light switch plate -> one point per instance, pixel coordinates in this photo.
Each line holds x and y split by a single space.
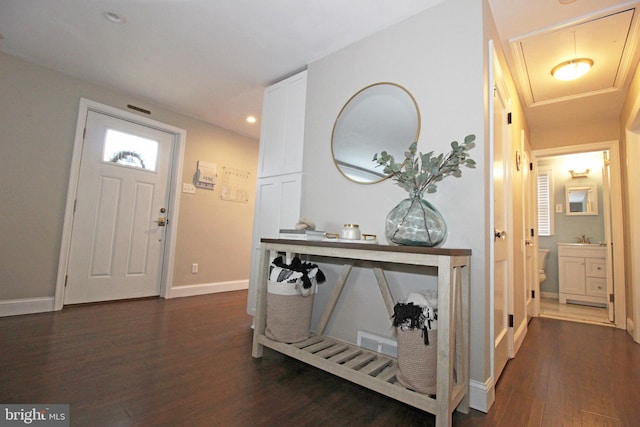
558 207
188 188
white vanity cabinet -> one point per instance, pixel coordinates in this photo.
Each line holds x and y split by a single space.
582 273
279 183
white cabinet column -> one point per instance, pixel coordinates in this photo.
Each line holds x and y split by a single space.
279 184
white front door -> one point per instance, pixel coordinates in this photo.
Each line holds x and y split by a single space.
118 232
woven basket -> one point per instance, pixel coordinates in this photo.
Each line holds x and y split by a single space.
417 361
288 312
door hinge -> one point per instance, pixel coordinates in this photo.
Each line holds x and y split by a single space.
530 166
612 298
533 294
533 233
75 205
66 278
511 320
508 118
84 133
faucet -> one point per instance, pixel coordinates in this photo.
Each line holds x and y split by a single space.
584 239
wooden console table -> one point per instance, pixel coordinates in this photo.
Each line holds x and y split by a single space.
367 368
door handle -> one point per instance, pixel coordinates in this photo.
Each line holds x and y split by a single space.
499 234
162 221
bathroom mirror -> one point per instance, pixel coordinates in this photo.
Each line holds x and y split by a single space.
582 200
380 117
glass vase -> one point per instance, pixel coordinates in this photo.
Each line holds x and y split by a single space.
415 222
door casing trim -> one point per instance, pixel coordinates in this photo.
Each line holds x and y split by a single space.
84 107
617 223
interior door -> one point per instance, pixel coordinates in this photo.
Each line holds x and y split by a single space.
120 217
503 334
607 236
528 221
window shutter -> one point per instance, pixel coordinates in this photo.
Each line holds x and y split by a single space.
545 203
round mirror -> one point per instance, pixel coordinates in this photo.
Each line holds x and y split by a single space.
380 117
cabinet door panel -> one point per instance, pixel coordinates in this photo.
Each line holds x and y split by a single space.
277 206
272 133
572 275
282 131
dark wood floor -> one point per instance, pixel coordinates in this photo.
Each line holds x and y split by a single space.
187 362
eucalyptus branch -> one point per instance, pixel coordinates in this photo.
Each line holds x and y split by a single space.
420 172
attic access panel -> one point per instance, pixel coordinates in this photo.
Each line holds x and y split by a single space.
603 40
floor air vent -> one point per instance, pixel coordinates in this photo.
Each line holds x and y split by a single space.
377 343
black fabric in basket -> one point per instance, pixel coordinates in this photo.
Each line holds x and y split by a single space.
297 265
411 316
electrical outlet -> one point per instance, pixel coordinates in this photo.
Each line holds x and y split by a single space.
194 268
188 188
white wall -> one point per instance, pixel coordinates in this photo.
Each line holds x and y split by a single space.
438 56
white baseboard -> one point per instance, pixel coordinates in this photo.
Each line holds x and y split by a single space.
207 288
631 330
481 395
520 334
550 295
17 307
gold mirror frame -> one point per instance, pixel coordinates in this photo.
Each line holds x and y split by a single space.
380 117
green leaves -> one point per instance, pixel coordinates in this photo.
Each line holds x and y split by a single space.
419 172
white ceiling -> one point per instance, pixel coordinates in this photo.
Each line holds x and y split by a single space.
211 59
539 34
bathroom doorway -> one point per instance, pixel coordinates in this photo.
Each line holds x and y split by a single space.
575 252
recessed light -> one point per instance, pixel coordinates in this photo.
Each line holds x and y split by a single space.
113 17
251 119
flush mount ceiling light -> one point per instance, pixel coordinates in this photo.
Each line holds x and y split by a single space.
573 68
113 17
251 119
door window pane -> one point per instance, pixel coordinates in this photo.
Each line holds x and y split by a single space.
130 150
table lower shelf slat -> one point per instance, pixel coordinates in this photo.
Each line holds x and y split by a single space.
361 366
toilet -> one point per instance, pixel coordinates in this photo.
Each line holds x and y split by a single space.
542 261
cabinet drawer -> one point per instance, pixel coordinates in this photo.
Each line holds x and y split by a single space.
596 267
596 287
581 251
